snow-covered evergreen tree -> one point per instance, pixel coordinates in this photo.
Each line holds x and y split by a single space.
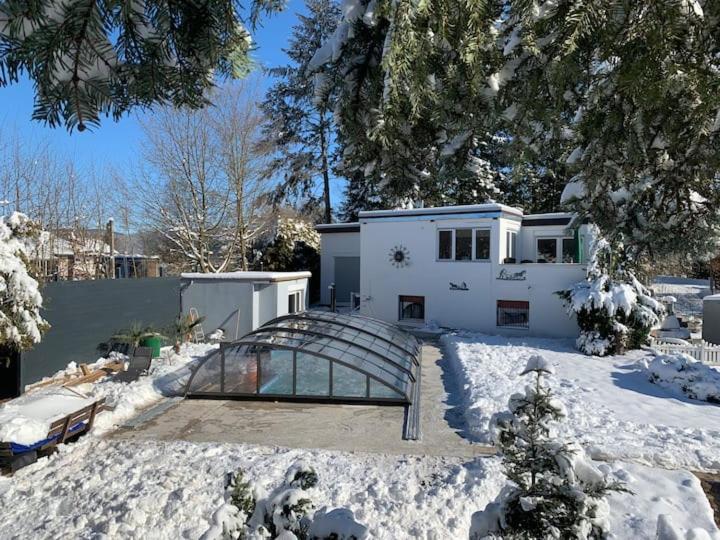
629 92
21 325
555 491
91 57
613 309
411 109
299 108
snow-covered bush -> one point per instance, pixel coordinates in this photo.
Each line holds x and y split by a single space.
555 491
682 374
613 309
284 514
21 325
295 246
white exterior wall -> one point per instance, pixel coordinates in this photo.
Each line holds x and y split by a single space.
475 309
336 244
238 306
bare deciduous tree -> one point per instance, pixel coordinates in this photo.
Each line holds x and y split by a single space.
200 184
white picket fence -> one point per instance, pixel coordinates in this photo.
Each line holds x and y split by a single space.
704 352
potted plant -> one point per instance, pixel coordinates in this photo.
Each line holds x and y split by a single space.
138 335
181 330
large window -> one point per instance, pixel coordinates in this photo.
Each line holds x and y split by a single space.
513 313
553 250
463 244
412 308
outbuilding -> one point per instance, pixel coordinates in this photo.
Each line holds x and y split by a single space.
239 302
711 319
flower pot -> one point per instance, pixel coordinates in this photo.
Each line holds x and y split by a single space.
154 342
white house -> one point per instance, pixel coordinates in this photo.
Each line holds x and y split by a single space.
485 267
240 302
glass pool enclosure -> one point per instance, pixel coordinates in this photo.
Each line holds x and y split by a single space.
314 356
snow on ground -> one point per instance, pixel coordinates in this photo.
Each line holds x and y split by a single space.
688 292
123 489
613 409
26 420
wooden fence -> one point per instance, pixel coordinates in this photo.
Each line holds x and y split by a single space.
704 352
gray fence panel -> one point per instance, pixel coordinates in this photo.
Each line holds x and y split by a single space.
84 314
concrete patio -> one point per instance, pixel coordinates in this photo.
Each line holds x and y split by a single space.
353 428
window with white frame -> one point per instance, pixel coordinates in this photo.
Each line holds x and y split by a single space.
511 245
464 244
513 313
556 249
295 302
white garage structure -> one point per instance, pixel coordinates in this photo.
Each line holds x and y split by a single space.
486 267
240 302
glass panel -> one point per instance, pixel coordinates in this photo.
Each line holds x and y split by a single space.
379 390
312 376
445 245
348 382
276 371
412 308
569 252
241 370
547 250
207 378
463 244
482 244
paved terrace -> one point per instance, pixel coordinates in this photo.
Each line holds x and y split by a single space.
352 428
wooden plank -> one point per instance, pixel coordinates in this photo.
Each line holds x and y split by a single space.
85 369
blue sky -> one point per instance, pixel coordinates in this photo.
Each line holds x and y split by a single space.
116 143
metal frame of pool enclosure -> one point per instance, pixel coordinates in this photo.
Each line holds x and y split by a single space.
315 356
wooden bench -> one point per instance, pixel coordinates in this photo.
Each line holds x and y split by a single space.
72 425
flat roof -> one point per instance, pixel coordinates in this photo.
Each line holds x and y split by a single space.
349 227
444 210
247 276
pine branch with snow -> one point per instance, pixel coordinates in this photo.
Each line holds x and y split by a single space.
555 491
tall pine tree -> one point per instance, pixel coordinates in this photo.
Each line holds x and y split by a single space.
299 107
412 108
629 91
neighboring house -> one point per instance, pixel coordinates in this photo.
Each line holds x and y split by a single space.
64 257
484 267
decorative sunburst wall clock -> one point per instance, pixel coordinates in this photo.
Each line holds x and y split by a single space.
399 256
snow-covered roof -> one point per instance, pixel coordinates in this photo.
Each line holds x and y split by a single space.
248 276
463 209
712 298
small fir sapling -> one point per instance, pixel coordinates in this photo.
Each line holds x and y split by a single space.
555 491
282 514
613 309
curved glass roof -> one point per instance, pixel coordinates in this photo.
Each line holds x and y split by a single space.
314 355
